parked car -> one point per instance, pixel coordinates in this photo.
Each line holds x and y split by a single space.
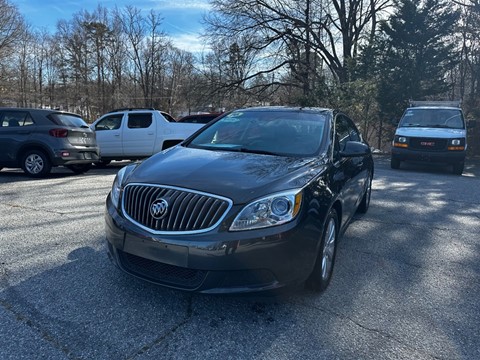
37 139
199 118
131 134
431 131
168 117
256 200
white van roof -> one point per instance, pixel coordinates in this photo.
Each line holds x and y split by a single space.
455 103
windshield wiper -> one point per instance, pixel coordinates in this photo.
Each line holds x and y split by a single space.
253 151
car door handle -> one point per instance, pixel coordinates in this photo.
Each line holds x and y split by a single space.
23 131
150 133
117 135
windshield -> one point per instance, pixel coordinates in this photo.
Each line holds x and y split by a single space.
440 118
288 133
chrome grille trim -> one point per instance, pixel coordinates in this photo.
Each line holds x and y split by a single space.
190 211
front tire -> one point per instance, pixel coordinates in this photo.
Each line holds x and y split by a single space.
458 168
322 272
365 203
35 163
394 163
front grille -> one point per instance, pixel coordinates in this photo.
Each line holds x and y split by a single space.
187 211
160 272
428 144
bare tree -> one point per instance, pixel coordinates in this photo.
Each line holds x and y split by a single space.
301 36
146 43
12 26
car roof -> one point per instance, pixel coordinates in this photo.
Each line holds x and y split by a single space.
434 108
37 110
286 109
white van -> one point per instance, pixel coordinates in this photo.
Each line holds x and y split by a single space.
431 131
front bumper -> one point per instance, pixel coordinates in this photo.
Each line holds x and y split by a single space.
218 261
447 157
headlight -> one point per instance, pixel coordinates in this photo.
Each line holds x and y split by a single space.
402 139
273 210
456 145
117 185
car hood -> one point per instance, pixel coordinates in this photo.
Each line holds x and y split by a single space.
238 176
443 133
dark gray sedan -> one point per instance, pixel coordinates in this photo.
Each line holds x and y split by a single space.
256 200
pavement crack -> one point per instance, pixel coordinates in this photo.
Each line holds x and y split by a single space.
374 330
48 210
167 334
8 307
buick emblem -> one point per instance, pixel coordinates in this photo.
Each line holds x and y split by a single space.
159 208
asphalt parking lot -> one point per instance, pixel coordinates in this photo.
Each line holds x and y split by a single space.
406 283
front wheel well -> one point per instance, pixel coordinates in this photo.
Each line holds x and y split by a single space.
337 205
25 149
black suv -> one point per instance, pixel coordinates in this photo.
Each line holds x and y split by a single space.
37 139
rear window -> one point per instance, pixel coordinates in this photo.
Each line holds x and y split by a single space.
139 121
198 119
68 120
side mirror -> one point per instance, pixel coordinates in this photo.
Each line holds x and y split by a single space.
471 124
394 122
354 149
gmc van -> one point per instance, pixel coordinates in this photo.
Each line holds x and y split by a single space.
431 131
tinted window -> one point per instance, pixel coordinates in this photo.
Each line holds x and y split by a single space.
15 118
198 119
345 131
292 133
139 121
68 120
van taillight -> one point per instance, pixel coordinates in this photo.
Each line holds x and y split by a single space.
59 133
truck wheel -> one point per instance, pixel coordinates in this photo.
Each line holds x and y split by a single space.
458 168
102 163
35 163
394 163
79 168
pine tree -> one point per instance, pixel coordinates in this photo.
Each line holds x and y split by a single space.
416 53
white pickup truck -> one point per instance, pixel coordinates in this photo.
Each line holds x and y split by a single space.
130 134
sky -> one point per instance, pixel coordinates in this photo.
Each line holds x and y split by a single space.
181 18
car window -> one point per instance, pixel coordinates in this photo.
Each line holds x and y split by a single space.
345 130
68 120
111 122
139 121
198 119
289 133
16 118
